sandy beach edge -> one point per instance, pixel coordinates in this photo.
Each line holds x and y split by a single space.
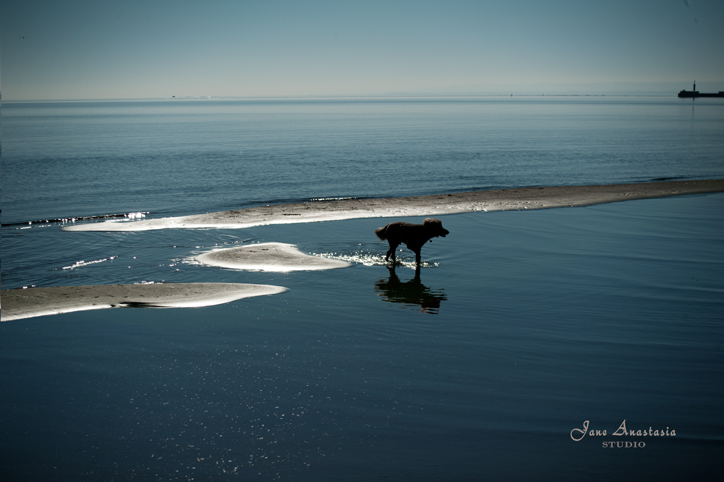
429 205
275 257
32 302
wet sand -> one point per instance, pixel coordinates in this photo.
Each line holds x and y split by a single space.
279 257
31 302
488 201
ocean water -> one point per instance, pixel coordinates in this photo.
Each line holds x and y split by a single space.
520 328
184 157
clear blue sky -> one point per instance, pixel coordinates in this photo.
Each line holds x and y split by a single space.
53 49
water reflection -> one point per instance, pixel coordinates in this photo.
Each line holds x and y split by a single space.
411 292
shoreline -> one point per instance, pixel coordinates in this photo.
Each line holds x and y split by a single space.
274 257
437 204
34 302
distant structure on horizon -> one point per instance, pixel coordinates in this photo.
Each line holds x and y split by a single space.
695 93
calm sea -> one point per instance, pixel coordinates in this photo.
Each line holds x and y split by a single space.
526 325
71 159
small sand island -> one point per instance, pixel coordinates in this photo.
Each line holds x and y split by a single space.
32 302
439 204
279 257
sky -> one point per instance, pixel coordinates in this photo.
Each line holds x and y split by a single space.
108 49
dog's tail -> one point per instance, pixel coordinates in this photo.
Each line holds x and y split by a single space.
381 233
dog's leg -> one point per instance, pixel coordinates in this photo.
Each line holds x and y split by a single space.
417 258
391 252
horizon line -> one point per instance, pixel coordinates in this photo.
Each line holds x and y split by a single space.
338 96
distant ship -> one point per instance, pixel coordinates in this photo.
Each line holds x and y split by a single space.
696 93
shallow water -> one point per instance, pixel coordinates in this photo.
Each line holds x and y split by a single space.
522 326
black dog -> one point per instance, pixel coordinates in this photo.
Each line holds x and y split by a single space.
413 235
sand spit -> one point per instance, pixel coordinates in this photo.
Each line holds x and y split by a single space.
492 200
278 257
31 302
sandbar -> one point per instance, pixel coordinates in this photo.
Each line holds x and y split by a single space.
279 257
438 204
32 302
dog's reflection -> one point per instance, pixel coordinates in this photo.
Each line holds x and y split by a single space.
411 292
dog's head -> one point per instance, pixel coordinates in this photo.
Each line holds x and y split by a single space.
434 227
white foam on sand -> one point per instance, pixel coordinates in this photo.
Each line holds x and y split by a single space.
32 302
278 257
487 201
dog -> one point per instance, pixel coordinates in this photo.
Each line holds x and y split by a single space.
413 235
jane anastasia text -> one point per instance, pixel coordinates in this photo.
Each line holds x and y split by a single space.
577 434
